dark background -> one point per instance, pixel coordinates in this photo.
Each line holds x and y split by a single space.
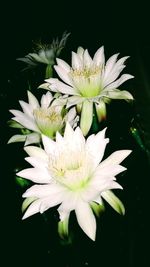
121 27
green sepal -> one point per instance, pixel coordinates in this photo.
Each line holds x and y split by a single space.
63 228
27 202
17 138
101 110
86 117
14 124
114 201
97 208
22 181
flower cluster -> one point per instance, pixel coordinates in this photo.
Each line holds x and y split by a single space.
67 162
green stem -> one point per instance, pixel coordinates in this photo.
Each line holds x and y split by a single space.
48 72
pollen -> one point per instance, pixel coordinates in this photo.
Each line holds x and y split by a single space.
86 72
47 115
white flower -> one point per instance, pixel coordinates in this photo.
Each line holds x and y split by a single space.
45 54
47 118
90 80
69 172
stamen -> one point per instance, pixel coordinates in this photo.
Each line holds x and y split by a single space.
86 72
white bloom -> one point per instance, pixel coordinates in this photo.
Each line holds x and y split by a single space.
69 172
90 80
47 118
45 54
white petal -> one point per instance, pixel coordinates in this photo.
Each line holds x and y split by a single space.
59 139
45 86
51 201
33 101
118 94
80 52
63 88
51 80
95 146
115 158
59 101
114 185
74 100
122 60
63 74
110 64
79 137
71 115
69 203
109 170
112 75
46 100
118 82
98 200
17 138
34 151
17 113
90 193
36 162
76 61
86 219
104 184
99 57
27 122
74 140
49 144
87 59
69 133
33 209
63 64
35 175
41 191
32 138
27 109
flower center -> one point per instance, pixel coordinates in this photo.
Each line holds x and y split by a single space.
48 120
70 170
87 80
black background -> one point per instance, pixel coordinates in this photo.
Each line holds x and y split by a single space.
121 27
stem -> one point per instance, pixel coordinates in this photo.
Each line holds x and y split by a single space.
48 72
